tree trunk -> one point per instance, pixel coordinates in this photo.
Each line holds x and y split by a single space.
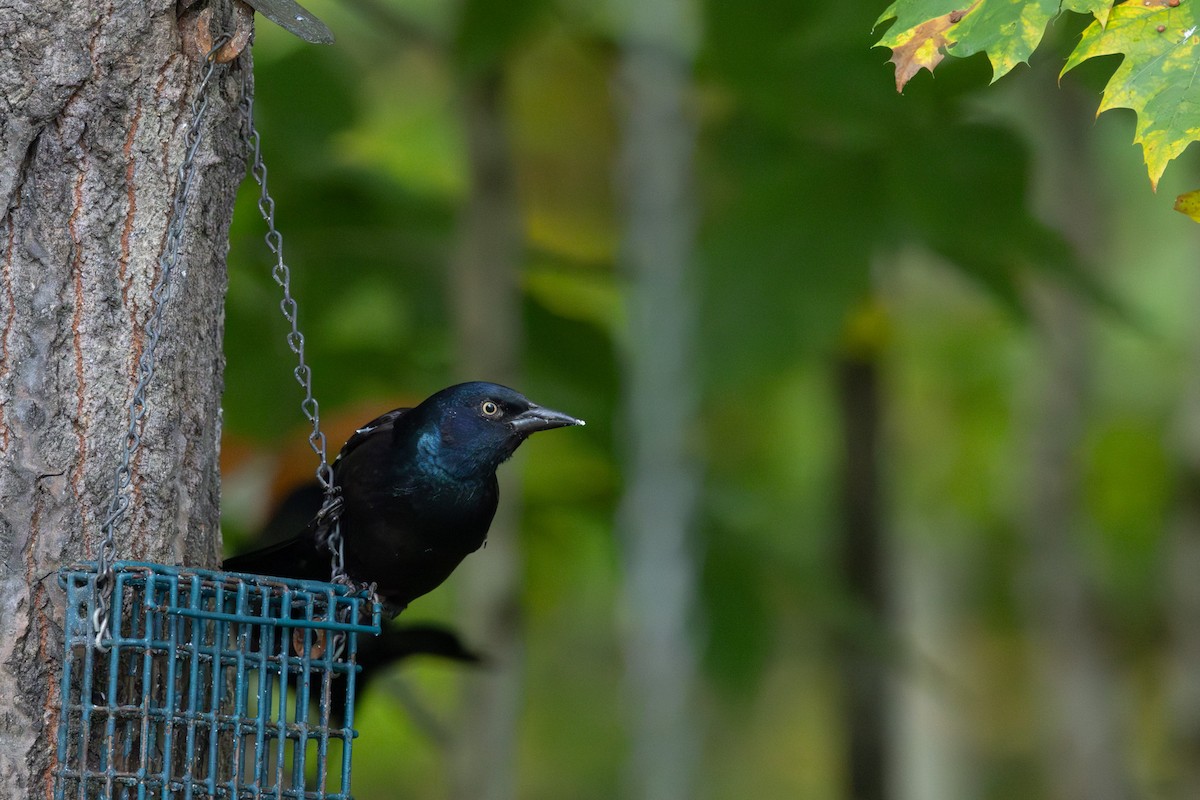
488 321
1085 752
863 667
660 385
1183 608
1181 566
931 743
96 102
1086 755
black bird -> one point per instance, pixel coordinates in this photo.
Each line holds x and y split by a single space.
418 490
394 644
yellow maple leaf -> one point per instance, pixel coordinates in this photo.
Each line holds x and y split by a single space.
1189 203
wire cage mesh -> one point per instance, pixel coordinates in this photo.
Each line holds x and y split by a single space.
210 685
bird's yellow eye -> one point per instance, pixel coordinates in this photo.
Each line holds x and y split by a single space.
490 409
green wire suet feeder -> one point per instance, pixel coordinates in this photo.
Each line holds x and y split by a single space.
189 696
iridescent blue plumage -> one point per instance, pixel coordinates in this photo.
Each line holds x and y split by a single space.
419 491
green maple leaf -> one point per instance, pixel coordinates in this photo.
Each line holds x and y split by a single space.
1158 76
1097 8
1007 30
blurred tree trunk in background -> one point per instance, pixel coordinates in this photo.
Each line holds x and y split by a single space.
1183 598
1082 700
96 99
487 311
1182 566
660 386
931 742
864 663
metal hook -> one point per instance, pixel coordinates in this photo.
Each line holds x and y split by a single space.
243 30
198 36
100 626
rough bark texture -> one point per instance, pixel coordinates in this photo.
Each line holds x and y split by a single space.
94 105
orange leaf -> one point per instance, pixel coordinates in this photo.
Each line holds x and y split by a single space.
924 46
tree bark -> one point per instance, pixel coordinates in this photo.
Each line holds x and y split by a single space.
94 107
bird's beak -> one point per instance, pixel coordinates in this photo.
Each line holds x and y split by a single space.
536 418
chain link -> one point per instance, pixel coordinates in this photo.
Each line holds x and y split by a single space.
328 525
161 295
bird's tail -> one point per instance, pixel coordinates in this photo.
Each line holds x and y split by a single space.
295 558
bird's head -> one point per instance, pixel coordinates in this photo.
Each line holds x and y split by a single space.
471 428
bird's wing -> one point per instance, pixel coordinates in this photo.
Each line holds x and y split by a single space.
382 423
298 557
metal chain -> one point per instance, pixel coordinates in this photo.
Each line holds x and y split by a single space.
328 524
161 295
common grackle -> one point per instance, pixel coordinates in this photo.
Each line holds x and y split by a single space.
395 644
418 489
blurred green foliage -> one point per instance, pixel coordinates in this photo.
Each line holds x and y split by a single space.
820 189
